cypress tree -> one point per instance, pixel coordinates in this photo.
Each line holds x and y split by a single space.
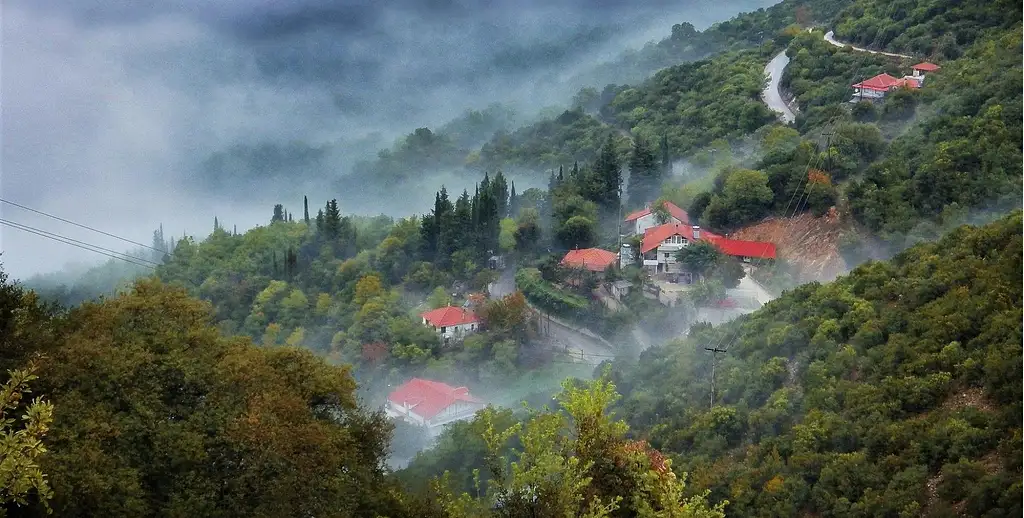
278 213
305 209
513 201
666 159
607 177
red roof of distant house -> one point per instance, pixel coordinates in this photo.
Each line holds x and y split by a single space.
450 316
926 67
593 259
428 398
879 82
672 209
653 238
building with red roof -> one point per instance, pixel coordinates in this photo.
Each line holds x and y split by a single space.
876 87
431 404
451 322
639 221
593 259
661 245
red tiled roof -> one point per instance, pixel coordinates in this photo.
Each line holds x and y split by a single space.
879 82
593 259
428 398
926 67
654 236
449 316
672 209
737 248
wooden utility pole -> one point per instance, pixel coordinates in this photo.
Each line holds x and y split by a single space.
714 361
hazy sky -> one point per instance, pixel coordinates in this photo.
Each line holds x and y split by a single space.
108 106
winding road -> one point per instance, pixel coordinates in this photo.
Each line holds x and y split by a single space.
831 38
771 95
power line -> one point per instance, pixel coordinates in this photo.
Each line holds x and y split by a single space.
31 231
58 218
72 240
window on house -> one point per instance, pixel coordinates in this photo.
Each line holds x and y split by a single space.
444 329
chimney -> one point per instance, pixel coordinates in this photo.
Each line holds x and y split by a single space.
696 232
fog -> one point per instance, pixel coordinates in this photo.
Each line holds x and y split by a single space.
110 109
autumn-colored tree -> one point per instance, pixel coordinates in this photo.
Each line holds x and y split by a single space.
21 444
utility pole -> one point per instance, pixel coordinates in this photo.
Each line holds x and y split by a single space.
714 361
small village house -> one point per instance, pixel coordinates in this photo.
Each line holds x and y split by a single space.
638 222
588 261
876 88
922 69
451 322
591 259
661 245
431 404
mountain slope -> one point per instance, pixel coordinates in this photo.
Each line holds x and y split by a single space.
892 391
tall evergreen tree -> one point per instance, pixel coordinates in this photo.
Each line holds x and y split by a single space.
332 220
513 201
644 177
320 221
216 224
499 191
305 209
666 158
606 178
278 213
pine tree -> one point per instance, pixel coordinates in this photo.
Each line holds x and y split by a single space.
159 245
332 220
278 213
305 209
320 221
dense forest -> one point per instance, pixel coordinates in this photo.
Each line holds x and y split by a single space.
237 374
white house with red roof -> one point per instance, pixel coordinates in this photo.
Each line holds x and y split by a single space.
593 259
661 245
451 322
431 404
638 222
922 69
877 87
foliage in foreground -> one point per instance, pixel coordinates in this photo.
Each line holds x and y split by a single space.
156 414
21 446
575 461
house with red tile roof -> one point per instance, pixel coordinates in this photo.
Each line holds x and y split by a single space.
639 221
877 87
921 69
661 245
593 259
451 322
431 404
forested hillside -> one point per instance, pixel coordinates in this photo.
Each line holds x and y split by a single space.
893 391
